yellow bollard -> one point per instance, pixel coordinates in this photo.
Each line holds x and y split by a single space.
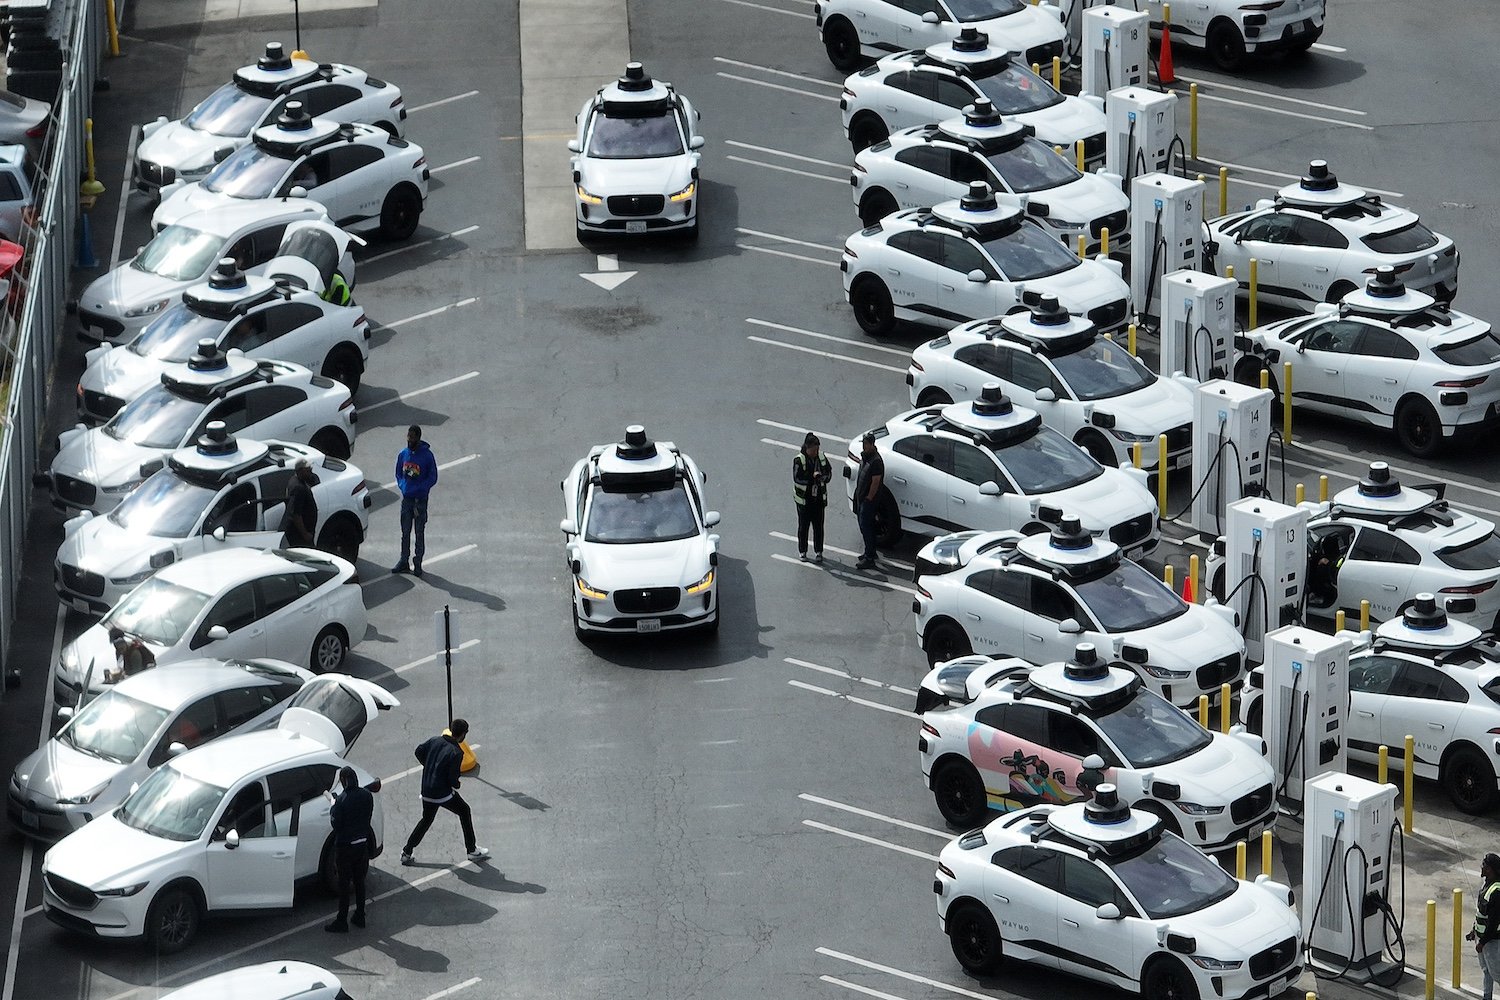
1166 575
1322 489
1239 861
1203 710
1301 493
1406 782
1135 449
1130 346
1193 120
1078 147
1225 696
1057 73
1383 767
1166 13
1083 246
1036 68
1228 270
1223 190
114 27
1104 240
1161 474
1059 151
91 188
1458 936
1338 621
1193 578
1364 616
1265 853
1254 289
1286 397
1431 983
1265 374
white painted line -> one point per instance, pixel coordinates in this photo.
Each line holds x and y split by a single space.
426 561
777 86
608 262
403 774
908 976
1291 177
774 10
1328 48
867 991
421 243
32 912
125 189
452 989
1425 476
711 680
797 447
417 392
430 657
785 239
440 103
784 253
858 577
788 170
851 698
865 344
827 354
870 840
394 324
1288 114
789 156
456 163
718 743
801 430
1216 85
834 548
778 72
836 672
844 806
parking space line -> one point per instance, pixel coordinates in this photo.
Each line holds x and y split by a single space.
788 170
785 239
784 253
439 103
834 548
864 345
442 467
1290 177
836 672
830 803
1216 85
908 976
797 447
844 574
851 698
867 991
801 430
420 243
1288 114
1328 48
403 397
426 561
776 86
774 10
452 989
780 72
789 156
434 312
430 657
827 354
456 163
125 189
876 841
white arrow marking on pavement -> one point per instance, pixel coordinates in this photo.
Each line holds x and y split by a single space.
609 276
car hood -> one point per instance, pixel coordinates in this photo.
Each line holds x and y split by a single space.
95 457
1083 200
121 373
1160 406
101 546
1103 501
1026 28
184 149
1065 123
56 770
1249 921
1190 640
184 201
126 287
106 854
94 645
658 175
1081 288
1221 772
650 564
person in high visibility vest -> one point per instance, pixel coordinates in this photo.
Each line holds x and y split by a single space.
1486 932
811 473
337 291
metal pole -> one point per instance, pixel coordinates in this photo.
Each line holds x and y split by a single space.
297 22
448 655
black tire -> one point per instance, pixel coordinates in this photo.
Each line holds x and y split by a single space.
872 305
841 42
328 650
328 869
959 792
1418 428
1338 290
173 920
975 939
1469 780
946 641
866 130
1166 979
1099 449
331 442
344 365
341 536
1225 45
932 396
888 530
876 205
401 213
1247 372
1253 718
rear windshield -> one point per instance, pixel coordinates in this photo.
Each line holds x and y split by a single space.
336 703
1482 350
1481 554
1408 239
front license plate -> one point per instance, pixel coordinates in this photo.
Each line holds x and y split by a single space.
635 227
29 819
648 625
79 605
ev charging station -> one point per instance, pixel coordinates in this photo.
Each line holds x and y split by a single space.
1231 430
1114 51
1139 128
1265 560
1305 714
1197 325
1348 834
1166 216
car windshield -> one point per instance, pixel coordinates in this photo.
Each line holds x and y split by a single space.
1033 166
114 727
228 111
1126 597
1046 462
157 419
982 10
1482 553
179 253
248 173
634 138
1016 90
171 805
1102 370
1408 239
651 516
1150 732
1171 878
174 335
1481 350
1028 253
165 505
157 611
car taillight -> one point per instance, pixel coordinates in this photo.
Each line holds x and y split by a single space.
38 130
422 160
361 321
917 365
928 728
398 102
860 169
1461 383
945 870
850 253
924 592
359 488
848 92
1477 588
348 402
1272 5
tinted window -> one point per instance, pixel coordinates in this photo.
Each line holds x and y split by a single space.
1482 350
1481 554
1272 228
972 465
1337 337
331 700
1012 588
916 84
234 511
271 400
247 813
323 99
1050 600
927 158
982 10
1374 674
234 411
925 448
264 243
1381 546
1026 722
1030 372
1380 343
927 246
315 246
282 589
235 609
1071 735
989 358
346 159
1083 881
1152 732
10 190
1417 680
238 706
963 257
1316 233
1408 239
953 93
1036 864
302 784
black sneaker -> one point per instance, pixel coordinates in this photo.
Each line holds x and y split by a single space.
358 920
400 568
865 564
416 569
337 927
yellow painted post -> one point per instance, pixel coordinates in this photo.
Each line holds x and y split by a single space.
91 188
114 27
1228 270
1193 577
1161 474
1083 246
1338 621
1458 936
1057 72
1383 767
1239 861
1193 120
1364 616
1431 982
1059 151
1301 493
1166 13
1166 575
1254 289
1104 240
1223 190
1265 374
1265 853
1286 396
1135 449
1225 696
1130 346
1322 489
1078 147
1036 68
1406 782
1203 710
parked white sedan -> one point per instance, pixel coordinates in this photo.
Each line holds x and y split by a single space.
854 29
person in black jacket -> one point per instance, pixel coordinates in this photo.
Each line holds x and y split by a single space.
352 839
811 474
440 757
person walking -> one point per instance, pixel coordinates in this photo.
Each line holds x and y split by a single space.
440 758
811 474
416 475
299 520
866 496
1486 931
353 837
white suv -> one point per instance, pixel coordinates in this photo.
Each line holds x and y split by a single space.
1229 30
853 29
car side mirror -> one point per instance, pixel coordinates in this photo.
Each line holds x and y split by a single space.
297 191
1302 346
1069 626
219 533
218 632
931 17
1046 395
711 518
64 714
978 277
989 489
1093 762
232 839
696 142
574 146
576 566
1109 911
568 526
176 747
1239 237
223 153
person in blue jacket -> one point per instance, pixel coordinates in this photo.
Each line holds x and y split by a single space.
416 475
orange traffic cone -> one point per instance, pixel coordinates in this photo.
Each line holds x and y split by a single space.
1187 589
1164 72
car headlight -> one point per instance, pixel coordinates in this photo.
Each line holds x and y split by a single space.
1162 673
1215 964
149 309
593 593
120 489
1130 438
69 658
132 579
685 193
124 890
586 196
703 584
83 800
1198 809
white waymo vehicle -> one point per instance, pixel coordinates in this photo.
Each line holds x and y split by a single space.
1101 891
1229 30
1038 596
1388 356
991 465
366 178
639 549
233 825
1319 240
932 85
268 981
221 123
223 493
635 159
1002 734
854 29
931 164
1084 387
969 259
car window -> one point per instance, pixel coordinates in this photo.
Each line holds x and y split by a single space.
926 158
1031 166
1274 227
918 7
336 703
1028 253
917 84
1418 680
346 159
234 511
235 610
1025 722
288 316
292 788
973 466
272 399
924 245
247 333
966 168
990 358
1483 553
1481 350
953 93
281 589
10 190
1374 674
1050 600
962 256
1336 337
927 449
233 411
1033 863
1016 90
322 99
1386 344
1012 588
1408 239
247 813
1031 373
1317 233
264 243
238 706
1084 881
1071 735
1374 545
113 726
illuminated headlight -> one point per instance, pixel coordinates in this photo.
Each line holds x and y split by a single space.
1162 673
685 193
1130 438
120 489
149 309
124 890
132 579
69 658
586 196
83 800
1215 964
1198 809
703 584
593 593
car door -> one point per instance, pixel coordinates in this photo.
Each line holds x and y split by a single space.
1379 569
291 614
1008 747
233 410
879 23
911 272
290 331
241 513
259 870
1265 238
233 507
273 486
1071 740
1324 351
914 472
988 361
992 610
960 298
1426 704
276 412
1021 888
969 468
1375 376
299 803
1314 258
917 180
907 98
1048 605
335 709
1029 375
235 610
1371 679
1102 950
354 177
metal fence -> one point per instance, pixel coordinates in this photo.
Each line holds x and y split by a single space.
32 324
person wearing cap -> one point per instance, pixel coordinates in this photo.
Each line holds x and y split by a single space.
1486 931
866 491
811 473
299 521
131 656
416 475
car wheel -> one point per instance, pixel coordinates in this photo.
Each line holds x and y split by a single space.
975 939
946 641
1099 449
172 922
345 366
341 536
841 42
328 650
1166 979
1253 717
1338 290
876 205
1469 780
872 306
960 796
401 213
865 131
934 397
1225 45
1418 429
887 519
1247 372
331 441
328 869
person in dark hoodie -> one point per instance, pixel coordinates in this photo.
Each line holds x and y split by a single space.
440 758
416 475
352 839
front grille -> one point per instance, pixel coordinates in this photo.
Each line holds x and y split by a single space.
77 896
1093 148
1107 316
109 327
81 581
1248 807
1115 222
649 600
74 491
636 204
1275 958
1220 671
1042 54
100 405
1180 438
1128 533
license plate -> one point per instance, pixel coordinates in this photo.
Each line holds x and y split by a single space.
648 625
79 605
635 227
29 819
